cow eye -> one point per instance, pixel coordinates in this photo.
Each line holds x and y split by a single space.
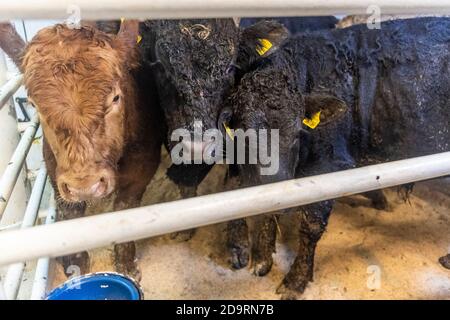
116 99
233 68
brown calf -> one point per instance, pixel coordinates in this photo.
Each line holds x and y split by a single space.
100 120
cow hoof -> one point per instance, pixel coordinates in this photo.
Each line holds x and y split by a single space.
262 268
239 257
183 236
445 261
75 264
288 294
129 269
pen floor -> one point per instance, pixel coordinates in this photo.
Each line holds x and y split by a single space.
364 254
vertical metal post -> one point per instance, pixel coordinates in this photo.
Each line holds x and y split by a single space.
15 271
41 276
10 138
2 292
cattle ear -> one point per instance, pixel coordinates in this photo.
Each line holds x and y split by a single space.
127 40
264 37
323 109
12 44
259 41
129 32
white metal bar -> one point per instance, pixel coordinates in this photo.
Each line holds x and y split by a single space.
2 292
9 141
15 271
3 69
157 9
38 291
86 233
11 226
12 281
9 178
7 90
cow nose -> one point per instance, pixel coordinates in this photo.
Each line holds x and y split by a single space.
198 150
84 192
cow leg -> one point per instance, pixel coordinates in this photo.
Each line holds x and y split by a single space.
237 230
404 191
314 220
263 244
238 243
187 177
136 171
125 260
185 235
378 199
78 263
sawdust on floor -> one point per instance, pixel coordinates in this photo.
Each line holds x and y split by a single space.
365 253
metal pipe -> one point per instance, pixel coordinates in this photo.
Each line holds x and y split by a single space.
2 292
12 171
3 69
11 226
15 271
7 90
86 233
38 291
13 279
10 140
158 9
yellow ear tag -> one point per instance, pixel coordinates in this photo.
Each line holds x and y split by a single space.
313 122
122 20
139 38
228 130
263 46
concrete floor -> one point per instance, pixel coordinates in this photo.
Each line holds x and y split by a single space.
365 253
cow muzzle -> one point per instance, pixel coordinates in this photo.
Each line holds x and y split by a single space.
88 188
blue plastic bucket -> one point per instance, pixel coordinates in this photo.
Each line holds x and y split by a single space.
98 286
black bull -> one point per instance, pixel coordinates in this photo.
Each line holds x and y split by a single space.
383 95
195 64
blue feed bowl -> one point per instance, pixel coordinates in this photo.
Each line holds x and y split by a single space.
98 286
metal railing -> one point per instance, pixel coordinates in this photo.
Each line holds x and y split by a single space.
10 285
68 237
61 238
9 89
158 9
9 177
15 271
39 288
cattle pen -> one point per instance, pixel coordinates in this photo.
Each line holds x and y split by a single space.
23 240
